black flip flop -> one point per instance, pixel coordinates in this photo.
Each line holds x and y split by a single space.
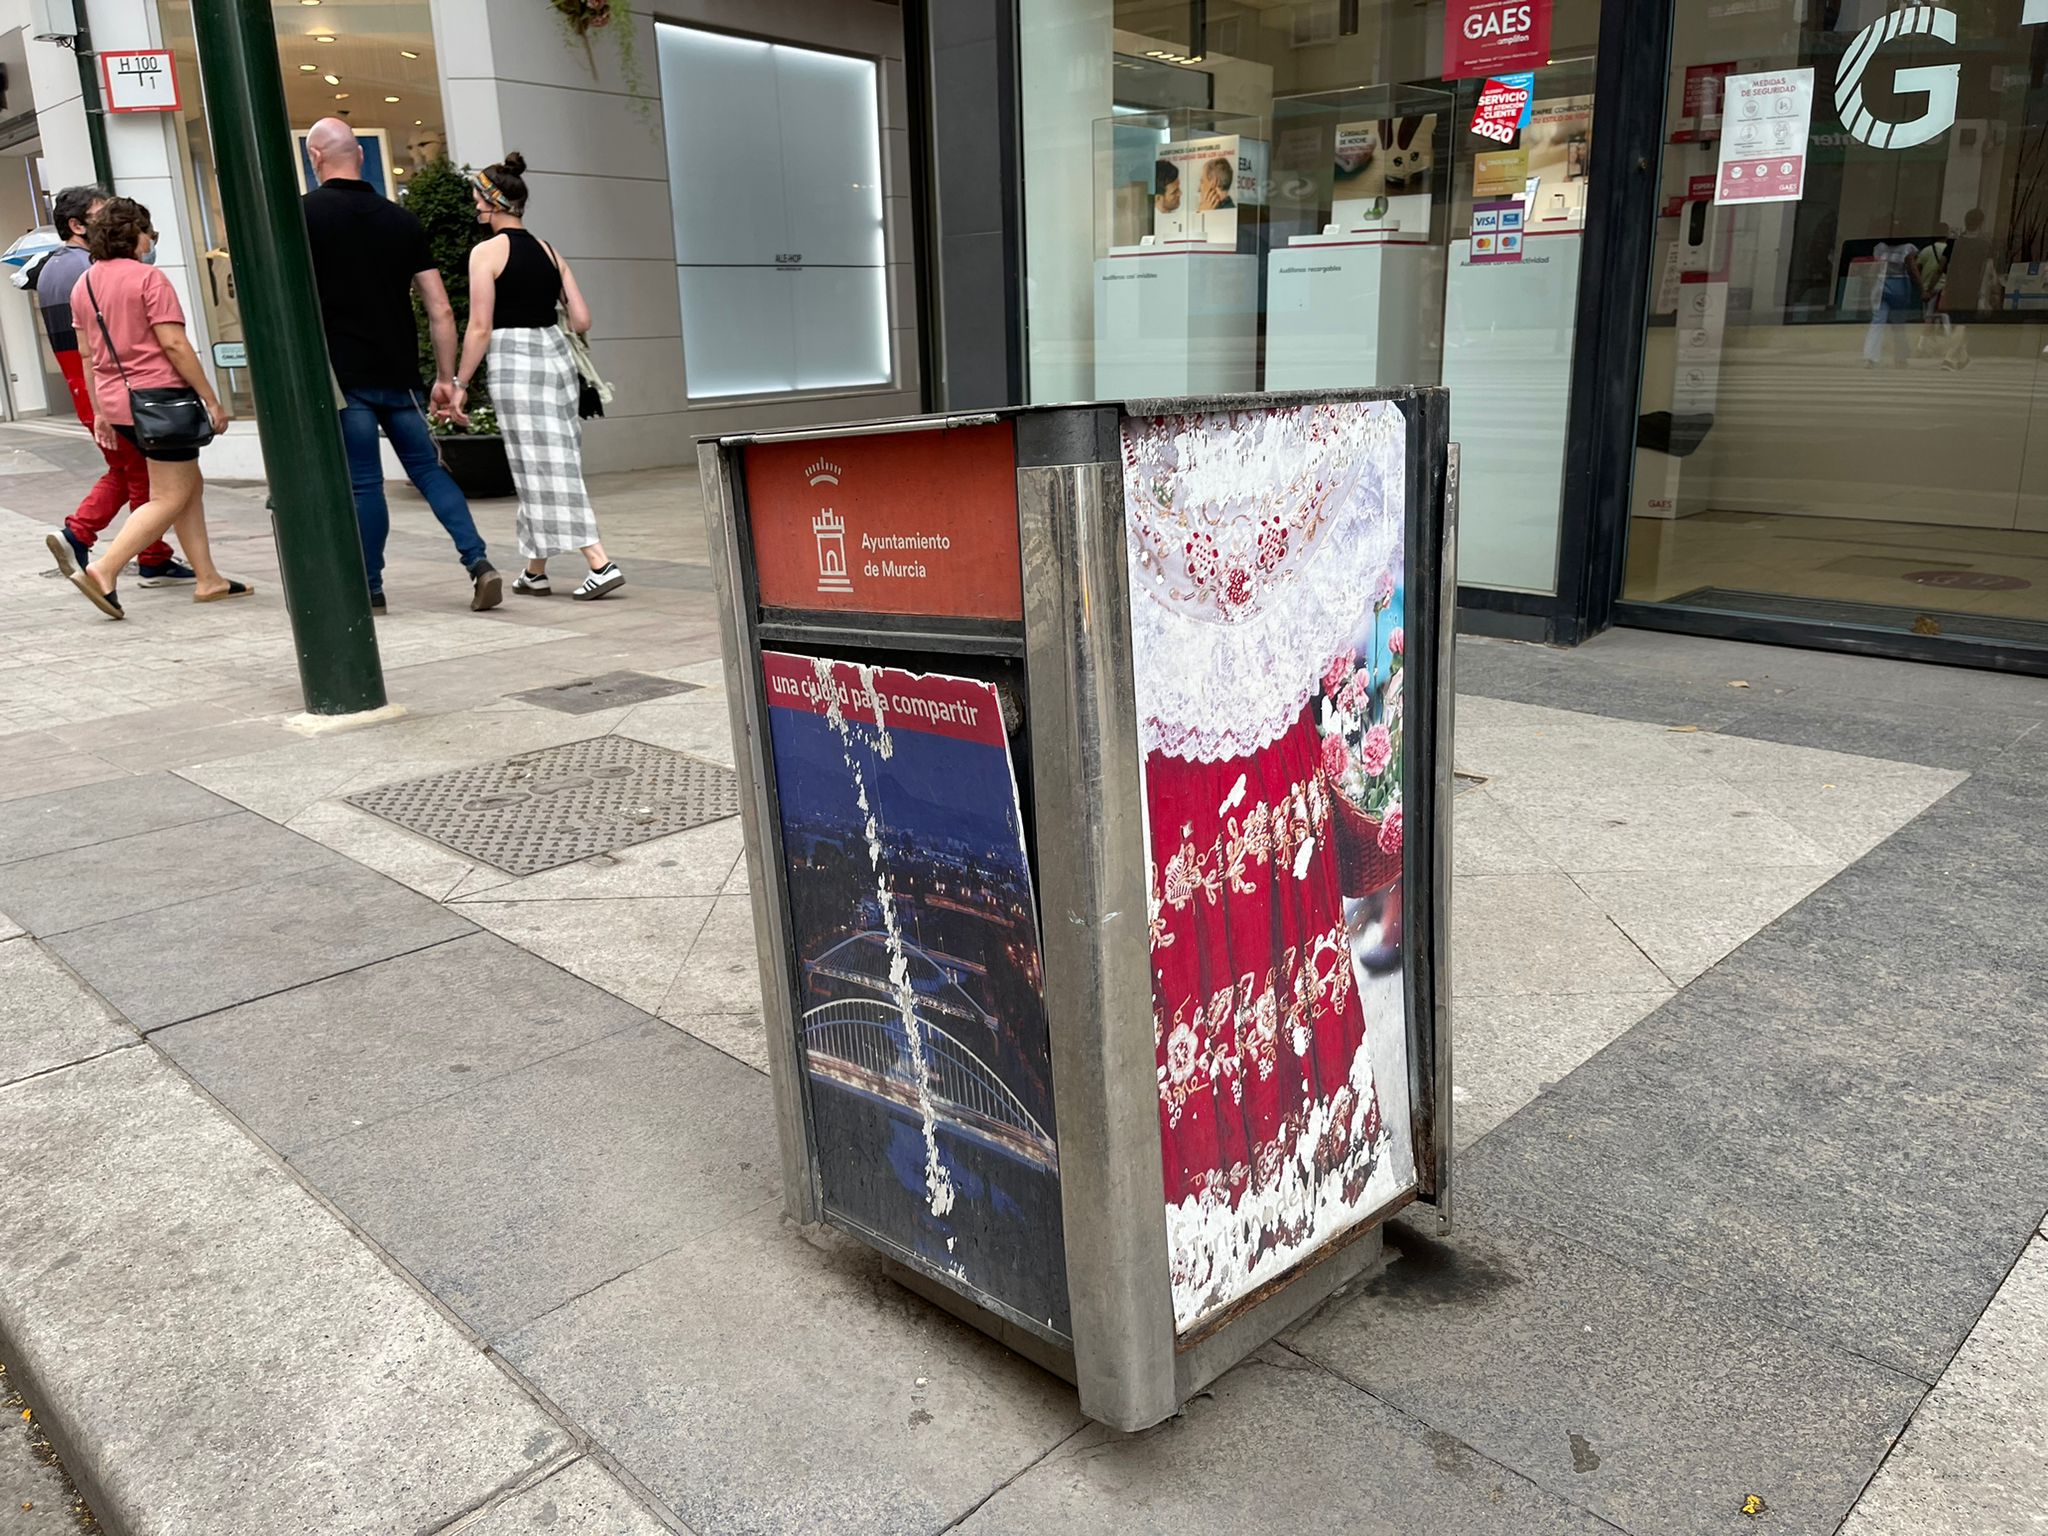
106 602
235 589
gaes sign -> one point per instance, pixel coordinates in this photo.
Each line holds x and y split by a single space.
1489 37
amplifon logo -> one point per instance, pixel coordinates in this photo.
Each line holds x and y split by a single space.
829 529
1939 83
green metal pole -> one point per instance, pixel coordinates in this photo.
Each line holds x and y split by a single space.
318 547
95 108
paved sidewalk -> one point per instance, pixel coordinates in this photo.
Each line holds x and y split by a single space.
371 1188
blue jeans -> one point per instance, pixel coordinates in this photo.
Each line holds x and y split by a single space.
397 413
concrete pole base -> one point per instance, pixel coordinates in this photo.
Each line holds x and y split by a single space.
327 725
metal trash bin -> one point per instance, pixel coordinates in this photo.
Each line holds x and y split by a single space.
1098 830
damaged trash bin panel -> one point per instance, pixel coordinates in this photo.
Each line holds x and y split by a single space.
903 855
1101 855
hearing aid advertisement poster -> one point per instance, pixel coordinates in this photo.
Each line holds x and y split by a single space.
1490 37
1198 187
1384 173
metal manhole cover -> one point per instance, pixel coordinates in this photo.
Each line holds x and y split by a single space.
587 695
543 809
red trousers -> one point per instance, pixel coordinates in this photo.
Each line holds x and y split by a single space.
126 482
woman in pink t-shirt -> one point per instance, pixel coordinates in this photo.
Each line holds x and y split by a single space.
132 331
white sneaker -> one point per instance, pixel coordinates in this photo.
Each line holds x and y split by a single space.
600 584
532 585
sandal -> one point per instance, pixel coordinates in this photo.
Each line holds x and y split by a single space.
235 589
106 602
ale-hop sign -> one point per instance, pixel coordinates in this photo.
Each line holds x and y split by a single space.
1506 103
920 523
1487 37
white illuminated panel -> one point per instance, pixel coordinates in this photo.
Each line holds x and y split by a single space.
775 175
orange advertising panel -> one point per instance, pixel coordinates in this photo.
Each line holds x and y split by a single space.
921 523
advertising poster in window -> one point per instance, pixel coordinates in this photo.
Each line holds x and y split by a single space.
921 1015
1386 168
1266 572
1764 131
1198 186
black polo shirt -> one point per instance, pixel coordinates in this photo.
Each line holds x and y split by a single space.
366 249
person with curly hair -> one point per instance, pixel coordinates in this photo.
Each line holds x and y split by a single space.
132 330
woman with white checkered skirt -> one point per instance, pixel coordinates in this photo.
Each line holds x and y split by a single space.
517 284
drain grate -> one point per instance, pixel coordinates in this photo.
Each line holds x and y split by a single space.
587 695
543 809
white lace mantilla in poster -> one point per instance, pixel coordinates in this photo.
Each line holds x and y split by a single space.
1266 569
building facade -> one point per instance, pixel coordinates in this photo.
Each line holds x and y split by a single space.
1743 306
660 164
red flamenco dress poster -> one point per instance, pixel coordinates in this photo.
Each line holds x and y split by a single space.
1265 570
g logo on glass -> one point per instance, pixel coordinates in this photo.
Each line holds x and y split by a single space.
1938 82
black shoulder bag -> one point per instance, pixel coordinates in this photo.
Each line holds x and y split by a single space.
166 417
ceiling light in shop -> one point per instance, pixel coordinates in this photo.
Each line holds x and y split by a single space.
341 95
324 37
307 69
332 79
391 98
407 53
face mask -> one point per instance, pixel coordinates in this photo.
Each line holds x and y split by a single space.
148 257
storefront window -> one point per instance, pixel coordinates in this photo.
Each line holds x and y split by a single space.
368 62
1231 197
775 166
1843 407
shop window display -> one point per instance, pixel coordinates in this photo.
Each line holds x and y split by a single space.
1376 235
1841 413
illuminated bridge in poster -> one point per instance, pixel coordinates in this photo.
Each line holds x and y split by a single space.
863 1045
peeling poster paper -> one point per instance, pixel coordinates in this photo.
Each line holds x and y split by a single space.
921 1017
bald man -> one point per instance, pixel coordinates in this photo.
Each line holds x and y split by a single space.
369 254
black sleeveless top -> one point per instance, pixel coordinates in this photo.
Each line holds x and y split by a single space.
529 287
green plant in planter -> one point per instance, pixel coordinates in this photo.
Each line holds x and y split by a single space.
440 199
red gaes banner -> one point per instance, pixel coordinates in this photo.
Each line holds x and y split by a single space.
1493 37
921 523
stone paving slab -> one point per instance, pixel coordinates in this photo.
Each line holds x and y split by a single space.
1277 1447
532 1188
257 940
130 875
1655 1407
580 1500
632 947
52 823
47 1018
1853 1171
221 1354
1508 1049
33 1500
758 1384
323 1060
1975 1458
